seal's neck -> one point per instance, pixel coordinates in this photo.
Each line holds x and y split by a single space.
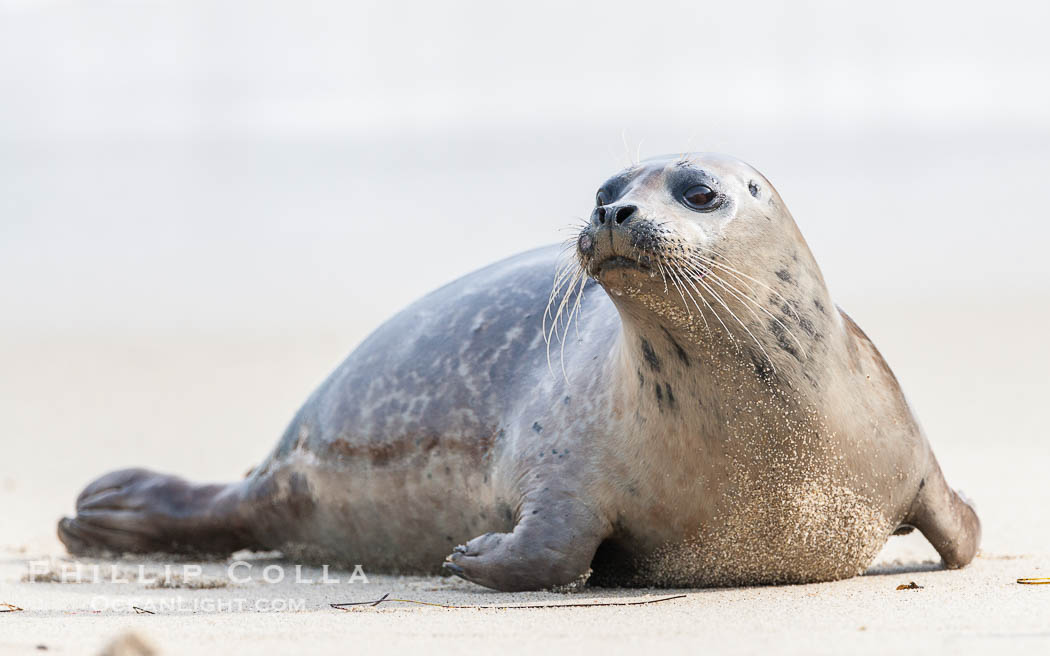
783 343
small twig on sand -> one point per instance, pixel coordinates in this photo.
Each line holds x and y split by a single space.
911 585
1034 581
589 604
142 611
9 608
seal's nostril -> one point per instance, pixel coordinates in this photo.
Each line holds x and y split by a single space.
601 215
623 213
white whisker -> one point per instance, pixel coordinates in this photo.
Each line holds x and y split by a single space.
566 280
710 263
739 321
573 312
692 283
737 293
688 309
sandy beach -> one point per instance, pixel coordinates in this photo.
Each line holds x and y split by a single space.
210 406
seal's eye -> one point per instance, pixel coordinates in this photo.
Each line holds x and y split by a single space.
599 198
701 197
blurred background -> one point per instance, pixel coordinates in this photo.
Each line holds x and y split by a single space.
205 205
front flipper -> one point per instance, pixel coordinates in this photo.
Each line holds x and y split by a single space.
947 520
552 544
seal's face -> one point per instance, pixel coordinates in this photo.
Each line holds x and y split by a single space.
659 228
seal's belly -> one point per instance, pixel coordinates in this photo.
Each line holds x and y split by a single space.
396 517
806 531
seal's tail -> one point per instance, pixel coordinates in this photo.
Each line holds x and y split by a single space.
138 511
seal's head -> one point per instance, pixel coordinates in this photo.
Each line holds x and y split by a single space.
699 229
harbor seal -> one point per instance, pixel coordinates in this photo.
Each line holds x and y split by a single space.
687 407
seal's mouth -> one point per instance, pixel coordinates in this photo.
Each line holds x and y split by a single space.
599 258
643 263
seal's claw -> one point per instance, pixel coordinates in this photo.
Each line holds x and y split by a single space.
468 561
78 540
529 558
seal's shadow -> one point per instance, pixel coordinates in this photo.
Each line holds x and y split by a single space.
913 567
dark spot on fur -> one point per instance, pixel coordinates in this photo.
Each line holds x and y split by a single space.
659 393
809 328
753 188
784 341
565 400
670 394
536 427
641 378
763 369
820 306
650 355
922 483
784 275
381 454
679 351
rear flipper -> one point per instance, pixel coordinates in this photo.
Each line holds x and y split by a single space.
138 511
947 520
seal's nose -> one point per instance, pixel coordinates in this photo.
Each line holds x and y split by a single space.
613 215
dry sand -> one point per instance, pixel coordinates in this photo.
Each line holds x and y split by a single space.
210 406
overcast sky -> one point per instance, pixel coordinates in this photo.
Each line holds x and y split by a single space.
187 163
